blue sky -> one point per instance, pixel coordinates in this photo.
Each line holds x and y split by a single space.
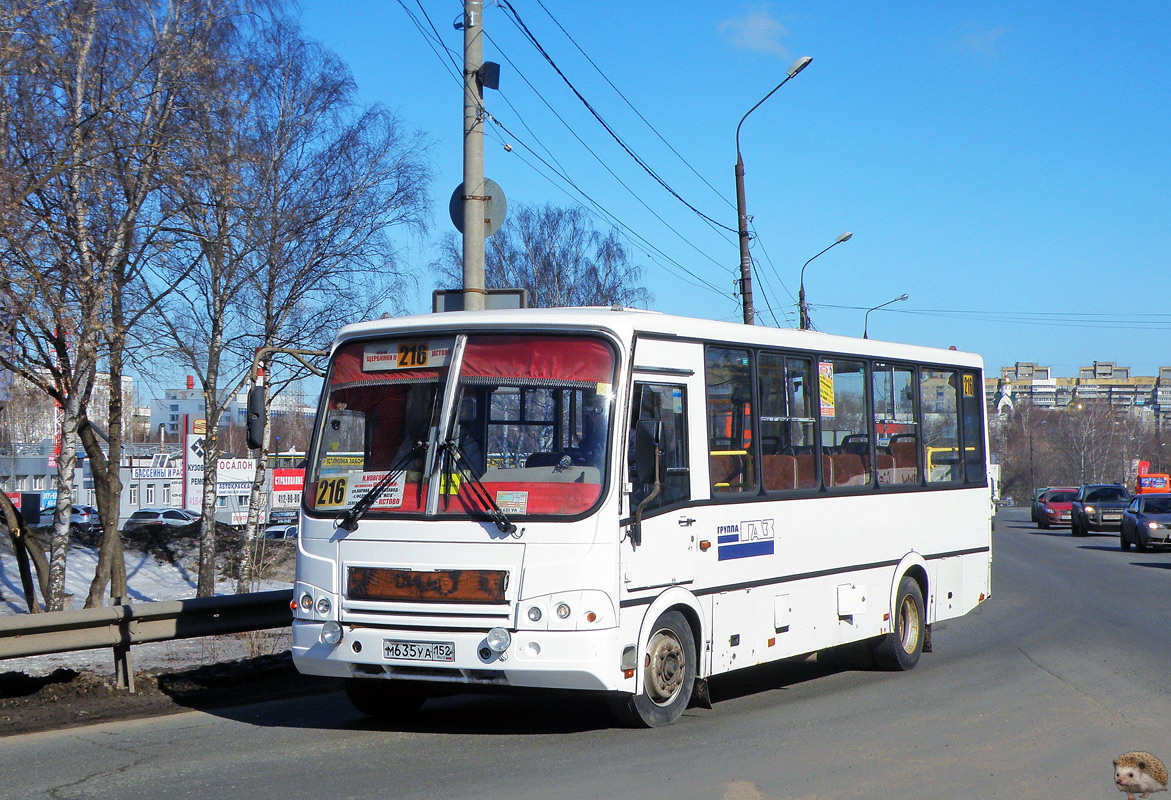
1004 164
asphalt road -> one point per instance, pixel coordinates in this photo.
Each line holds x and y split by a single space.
1067 666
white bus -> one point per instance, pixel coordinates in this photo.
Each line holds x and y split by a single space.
626 502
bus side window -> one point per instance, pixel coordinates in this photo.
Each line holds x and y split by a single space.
668 404
730 420
938 401
972 404
895 425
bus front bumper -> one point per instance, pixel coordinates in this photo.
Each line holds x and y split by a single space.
588 660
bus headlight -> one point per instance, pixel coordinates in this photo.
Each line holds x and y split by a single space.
499 639
306 602
324 606
563 610
331 632
534 614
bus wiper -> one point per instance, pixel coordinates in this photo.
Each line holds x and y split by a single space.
479 490
349 521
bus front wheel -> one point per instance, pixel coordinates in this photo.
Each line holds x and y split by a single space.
384 699
669 670
900 649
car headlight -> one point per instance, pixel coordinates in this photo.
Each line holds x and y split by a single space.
1089 509
1152 525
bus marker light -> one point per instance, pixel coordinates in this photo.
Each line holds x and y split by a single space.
886 617
591 616
704 545
772 641
627 673
293 604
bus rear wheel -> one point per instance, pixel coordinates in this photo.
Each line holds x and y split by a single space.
384 699
900 649
669 670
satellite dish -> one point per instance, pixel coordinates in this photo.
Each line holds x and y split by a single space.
494 209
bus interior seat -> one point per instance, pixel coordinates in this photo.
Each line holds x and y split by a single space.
726 470
780 472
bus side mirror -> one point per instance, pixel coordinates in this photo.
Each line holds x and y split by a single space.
256 418
648 438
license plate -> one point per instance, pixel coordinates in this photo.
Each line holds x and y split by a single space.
418 651
1112 517
1065 517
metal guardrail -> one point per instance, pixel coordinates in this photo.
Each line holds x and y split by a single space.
120 626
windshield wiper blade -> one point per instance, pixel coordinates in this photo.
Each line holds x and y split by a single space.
349 521
479 490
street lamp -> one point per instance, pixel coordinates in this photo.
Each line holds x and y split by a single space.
866 318
745 259
801 307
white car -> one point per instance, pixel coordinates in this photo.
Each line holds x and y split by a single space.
280 532
159 518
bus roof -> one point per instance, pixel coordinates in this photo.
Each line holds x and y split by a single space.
626 323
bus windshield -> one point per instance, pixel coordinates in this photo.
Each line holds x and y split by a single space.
520 420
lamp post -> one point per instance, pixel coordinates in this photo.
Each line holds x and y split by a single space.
741 209
801 307
866 318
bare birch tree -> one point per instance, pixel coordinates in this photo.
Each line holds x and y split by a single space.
331 182
557 256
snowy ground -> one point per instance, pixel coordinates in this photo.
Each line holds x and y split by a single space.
148 579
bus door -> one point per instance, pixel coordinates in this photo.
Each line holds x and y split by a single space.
667 386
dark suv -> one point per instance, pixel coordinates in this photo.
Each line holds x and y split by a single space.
1098 507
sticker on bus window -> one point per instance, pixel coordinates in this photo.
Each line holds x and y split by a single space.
677 401
343 461
385 356
513 502
362 482
602 390
826 374
969 385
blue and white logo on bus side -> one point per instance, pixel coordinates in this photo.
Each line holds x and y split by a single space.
752 537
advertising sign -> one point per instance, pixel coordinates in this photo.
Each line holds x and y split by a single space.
233 475
287 485
825 371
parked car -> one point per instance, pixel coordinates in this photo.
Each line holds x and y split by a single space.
1035 511
1098 507
158 518
280 532
81 518
1146 522
1055 506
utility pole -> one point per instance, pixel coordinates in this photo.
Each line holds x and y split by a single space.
745 258
475 199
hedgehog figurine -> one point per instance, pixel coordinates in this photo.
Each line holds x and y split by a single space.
1139 772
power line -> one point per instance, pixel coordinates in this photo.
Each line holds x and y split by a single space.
533 40
431 42
600 160
632 108
1055 319
608 215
